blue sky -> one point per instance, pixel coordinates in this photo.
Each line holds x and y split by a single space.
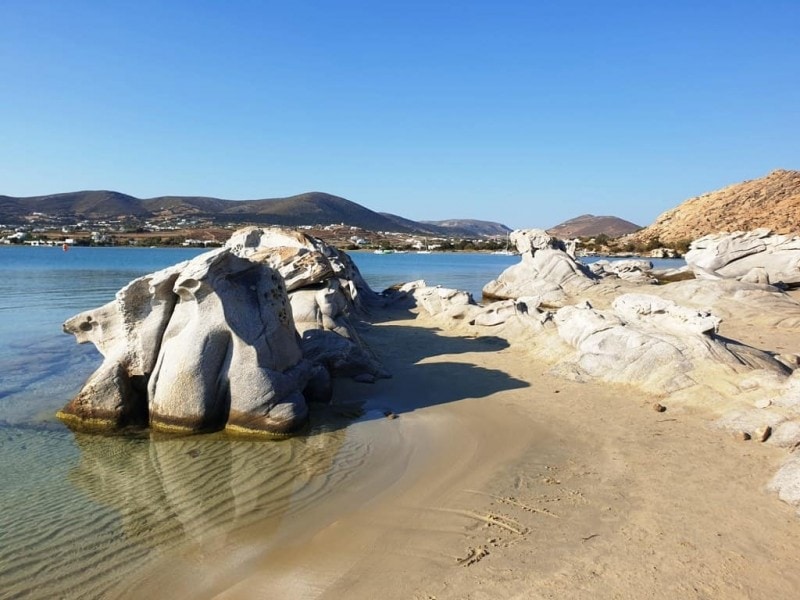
527 113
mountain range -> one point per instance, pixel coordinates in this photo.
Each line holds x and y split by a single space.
304 209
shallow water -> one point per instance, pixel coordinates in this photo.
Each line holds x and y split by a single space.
89 516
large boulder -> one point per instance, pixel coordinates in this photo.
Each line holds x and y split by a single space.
325 290
218 342
547 273
755 256
206 344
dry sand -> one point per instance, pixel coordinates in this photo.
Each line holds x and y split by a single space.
499 481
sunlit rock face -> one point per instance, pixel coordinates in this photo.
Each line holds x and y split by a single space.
325 290
206 344
754 256
214 342
547 273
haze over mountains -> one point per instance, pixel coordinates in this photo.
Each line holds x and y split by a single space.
303 209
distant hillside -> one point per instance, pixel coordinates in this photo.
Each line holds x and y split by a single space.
472 227
90 204
591 226
403 224
304 209
772 201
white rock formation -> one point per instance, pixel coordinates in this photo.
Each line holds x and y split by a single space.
654 344
214 342
547 274
204 344
755 256
633 270
325 288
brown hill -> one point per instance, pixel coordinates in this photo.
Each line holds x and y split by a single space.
591 226
772 201
311 208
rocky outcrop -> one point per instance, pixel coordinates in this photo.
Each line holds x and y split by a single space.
754 256
654 344
547 273
206 344
633 270
769 202
214 342
325 288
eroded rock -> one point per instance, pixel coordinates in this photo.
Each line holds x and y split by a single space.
218 350
218 342
756 256
546 273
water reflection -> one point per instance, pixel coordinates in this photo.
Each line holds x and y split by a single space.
126 503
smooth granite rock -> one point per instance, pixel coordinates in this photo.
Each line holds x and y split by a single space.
633 270
216 342
325 290
546 273
206 344
757 256
653 343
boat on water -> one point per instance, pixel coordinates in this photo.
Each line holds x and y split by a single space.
383 251
506 251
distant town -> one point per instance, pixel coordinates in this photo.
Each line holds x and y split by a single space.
42 229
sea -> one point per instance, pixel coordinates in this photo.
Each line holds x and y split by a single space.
86 516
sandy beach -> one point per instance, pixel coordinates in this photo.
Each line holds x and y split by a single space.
497 480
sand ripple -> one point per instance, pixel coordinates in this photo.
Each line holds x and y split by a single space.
109 507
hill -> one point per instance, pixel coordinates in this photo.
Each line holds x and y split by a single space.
772 201
87 204
472 227
304 209
591 226
311 208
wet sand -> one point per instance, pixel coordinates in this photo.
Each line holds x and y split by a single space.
497 480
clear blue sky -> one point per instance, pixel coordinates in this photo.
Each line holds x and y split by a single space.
528 113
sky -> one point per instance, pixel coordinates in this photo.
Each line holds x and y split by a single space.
526 113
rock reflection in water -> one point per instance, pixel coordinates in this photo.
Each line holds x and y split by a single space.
139 500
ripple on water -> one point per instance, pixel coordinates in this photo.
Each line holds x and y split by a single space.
106 508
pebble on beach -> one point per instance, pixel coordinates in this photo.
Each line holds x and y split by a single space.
762 433
659 407
742 435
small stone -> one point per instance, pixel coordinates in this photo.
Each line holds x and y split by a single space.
659 407
742 435
762 433
762 403
390 415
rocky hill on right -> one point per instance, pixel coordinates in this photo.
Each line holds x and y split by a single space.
771 202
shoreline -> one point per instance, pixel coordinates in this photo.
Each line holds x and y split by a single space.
503 481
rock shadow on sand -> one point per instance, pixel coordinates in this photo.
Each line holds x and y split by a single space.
423 374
